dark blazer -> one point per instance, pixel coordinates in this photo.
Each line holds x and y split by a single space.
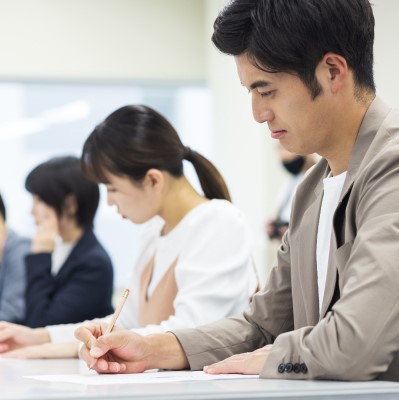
81 290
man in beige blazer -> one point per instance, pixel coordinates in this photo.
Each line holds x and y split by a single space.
330 309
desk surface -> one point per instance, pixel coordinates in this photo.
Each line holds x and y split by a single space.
13 386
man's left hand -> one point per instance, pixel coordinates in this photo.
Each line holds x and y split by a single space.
245 363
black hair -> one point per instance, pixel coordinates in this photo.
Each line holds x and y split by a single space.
59 177
2 208
136 138
293 36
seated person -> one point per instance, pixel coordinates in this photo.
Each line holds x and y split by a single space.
13 249
194 264
296 166
69 274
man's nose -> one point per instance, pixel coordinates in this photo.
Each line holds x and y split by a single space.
261 113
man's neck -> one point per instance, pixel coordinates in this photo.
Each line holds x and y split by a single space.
339 155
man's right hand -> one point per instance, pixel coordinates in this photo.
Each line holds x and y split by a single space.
13 336
124 351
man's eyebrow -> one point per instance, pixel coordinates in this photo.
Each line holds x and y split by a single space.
258 84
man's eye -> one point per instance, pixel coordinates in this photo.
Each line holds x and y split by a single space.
266 94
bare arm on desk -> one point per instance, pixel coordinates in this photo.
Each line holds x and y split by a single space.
14 336
45 351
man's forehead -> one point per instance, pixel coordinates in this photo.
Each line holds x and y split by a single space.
251 76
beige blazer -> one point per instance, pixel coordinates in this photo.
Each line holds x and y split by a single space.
356 337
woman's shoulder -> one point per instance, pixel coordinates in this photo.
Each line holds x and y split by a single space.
217 210
16 242
215 216
90 250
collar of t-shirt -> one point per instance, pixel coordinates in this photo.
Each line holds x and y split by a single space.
60 254
332 190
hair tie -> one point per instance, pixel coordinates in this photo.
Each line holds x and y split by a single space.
188 154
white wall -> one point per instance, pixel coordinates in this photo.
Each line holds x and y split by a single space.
386 50
102 39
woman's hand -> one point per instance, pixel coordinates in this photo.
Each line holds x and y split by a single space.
46 228
47 350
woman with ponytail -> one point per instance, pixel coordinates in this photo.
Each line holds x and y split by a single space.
194 264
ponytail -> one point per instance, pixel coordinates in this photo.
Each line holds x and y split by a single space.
211 181
134 139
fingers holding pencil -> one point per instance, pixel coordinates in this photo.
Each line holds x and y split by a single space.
90 333
120 351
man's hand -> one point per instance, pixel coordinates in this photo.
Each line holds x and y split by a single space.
245 363
13 336
124 351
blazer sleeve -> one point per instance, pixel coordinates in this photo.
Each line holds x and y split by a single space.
83 293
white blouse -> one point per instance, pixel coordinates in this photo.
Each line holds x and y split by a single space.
214 272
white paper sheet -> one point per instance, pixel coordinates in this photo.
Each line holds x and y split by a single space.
92 378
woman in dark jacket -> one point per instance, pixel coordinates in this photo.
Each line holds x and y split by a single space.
69 274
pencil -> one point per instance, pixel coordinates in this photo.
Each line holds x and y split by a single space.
117 312
114 318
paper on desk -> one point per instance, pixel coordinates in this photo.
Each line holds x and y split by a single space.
92 378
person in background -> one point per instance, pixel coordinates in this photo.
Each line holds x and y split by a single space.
13 249
296 166
330 309
194 262
69 274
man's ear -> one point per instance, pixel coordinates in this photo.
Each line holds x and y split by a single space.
334 70
154 179
70 206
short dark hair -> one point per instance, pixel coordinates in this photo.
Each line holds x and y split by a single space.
136 138
2 208
55 179
293 36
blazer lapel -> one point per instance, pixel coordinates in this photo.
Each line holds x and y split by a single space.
360 156
307 256
331 280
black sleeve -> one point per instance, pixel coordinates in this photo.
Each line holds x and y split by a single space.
85 292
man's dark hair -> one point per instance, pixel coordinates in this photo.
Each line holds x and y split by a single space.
54 180
2 208
293 36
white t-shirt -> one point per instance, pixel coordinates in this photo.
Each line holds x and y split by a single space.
61 252
332 190
214 272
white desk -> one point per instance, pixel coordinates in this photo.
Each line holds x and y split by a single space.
14 386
